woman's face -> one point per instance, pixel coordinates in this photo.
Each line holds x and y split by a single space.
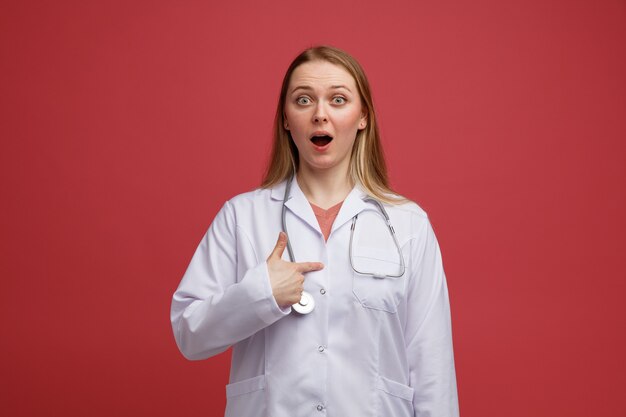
323 113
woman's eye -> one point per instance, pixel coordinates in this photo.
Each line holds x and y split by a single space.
303 100
339 100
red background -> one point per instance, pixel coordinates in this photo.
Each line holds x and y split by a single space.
126 125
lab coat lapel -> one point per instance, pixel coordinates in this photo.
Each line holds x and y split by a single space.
352 205
299 205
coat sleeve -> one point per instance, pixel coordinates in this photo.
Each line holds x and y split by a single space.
211 309
428 329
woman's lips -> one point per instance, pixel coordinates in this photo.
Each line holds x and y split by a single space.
322 140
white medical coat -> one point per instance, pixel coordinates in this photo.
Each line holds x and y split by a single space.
371 347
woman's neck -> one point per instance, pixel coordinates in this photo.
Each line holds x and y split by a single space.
324 188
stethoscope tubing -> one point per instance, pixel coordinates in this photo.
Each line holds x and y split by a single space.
307 302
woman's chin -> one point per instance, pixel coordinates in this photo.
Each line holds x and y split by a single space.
320 165
324 163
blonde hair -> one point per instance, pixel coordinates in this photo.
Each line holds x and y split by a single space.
367 162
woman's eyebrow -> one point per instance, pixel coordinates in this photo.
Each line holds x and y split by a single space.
309 88
340 86
301 87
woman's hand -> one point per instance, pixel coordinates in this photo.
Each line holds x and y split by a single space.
286 278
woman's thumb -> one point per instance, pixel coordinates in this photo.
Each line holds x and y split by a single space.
280 246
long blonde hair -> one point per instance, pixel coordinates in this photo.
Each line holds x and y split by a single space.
367 162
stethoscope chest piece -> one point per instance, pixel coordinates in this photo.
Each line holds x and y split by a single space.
306 304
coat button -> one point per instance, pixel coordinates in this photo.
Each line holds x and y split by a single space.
322 291
321 348
320 407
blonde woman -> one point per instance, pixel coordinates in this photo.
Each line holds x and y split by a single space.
327 284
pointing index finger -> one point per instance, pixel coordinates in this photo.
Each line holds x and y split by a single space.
309 266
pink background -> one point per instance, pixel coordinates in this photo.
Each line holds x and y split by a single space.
126 125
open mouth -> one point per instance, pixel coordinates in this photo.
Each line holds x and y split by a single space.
322 140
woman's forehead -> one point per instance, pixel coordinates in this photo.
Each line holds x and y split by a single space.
321 74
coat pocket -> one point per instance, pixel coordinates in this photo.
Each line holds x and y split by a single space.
395 399
246 398
372 291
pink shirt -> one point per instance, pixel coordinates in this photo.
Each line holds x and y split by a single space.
325 218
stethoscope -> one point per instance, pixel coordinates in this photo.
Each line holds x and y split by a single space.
307 302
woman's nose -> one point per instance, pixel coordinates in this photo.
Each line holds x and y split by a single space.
320 114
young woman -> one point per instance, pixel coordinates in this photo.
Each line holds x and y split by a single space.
353 319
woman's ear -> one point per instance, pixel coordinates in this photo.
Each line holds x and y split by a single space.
285 122
363 121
